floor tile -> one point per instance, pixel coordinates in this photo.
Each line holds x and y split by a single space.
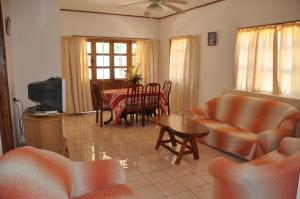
191 181
184 195
137 181
148 192
157 176
170 187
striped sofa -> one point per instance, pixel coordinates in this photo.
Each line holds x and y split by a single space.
246 126
30 173
274 175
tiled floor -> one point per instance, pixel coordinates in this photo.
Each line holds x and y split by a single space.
151 174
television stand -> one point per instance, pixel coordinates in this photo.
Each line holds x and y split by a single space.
45 132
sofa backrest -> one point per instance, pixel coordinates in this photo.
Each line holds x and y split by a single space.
251 113
33 173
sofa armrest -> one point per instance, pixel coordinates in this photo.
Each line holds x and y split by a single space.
197 113
246 181
269 140
289 146
96 175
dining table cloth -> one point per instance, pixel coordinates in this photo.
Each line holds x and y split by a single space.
117 99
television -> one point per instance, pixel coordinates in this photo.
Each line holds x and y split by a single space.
49 94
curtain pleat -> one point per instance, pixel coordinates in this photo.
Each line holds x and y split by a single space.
75 71
147 58
184 73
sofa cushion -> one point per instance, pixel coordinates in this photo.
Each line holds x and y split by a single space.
252 114
230 138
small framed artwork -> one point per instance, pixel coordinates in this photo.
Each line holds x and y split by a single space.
212 39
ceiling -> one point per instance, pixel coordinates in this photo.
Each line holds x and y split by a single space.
113 6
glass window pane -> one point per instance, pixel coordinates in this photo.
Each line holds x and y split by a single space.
133 48
103 73
120 60
133 61
90 73
89 47
102 48
120 48
120 73
102 60
89 60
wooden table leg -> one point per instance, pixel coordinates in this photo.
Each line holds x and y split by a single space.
195 148
172 138
160 137
182 149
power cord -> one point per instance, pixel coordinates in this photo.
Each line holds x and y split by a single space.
20 113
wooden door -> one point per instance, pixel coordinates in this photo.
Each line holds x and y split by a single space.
5 114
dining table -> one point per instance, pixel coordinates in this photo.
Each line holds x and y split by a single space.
117 100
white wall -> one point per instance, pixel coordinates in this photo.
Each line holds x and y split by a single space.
89 24
35 43
216 65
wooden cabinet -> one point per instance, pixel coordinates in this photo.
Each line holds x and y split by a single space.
45 132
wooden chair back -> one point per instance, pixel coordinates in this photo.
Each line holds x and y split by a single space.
97 100
152 95
167 89
134 97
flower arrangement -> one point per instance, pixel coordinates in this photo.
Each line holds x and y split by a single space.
134 77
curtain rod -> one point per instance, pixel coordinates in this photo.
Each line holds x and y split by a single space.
178 37
121 38
271 24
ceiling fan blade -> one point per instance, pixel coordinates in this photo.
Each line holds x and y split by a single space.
172 7
139 2
173 1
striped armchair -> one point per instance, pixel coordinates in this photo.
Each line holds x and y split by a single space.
31 173
246 126
274 175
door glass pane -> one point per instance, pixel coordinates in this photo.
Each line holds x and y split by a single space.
120 48
89 60
102 60
120 73
102 48
133 61
88 47
90 73
120 60
103 73
133 49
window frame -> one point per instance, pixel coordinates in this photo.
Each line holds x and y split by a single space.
112 55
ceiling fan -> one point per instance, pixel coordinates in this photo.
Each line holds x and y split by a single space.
156 5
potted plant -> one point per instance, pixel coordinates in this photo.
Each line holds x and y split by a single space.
134 77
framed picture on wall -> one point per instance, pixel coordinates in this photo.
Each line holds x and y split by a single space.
212 39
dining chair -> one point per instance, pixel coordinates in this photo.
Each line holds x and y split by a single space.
98 103
133 102
167 89
151 101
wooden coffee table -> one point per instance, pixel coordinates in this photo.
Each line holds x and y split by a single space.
183 127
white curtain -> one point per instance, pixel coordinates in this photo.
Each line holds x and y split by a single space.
75 71
245 59
184 73
147 58
289 59
254 64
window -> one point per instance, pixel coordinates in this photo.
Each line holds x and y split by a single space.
110 59
267 60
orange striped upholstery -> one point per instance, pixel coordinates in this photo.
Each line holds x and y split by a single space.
30 173
274 175
246 126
